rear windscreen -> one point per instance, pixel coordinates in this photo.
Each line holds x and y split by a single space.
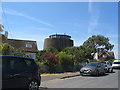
103 62
116 62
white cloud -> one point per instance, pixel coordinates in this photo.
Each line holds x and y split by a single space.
90 6
94 16
16 13
93 24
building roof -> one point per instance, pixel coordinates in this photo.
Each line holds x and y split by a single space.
24 45
59 36
110 53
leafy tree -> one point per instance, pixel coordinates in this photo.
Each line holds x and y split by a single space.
79 53
65 60
7 49
98 41
41 52
53 50
1 27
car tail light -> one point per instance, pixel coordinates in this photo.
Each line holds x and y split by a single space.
38 70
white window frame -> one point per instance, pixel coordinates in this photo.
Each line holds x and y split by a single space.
28 45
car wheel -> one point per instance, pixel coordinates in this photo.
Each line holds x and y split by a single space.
108 70
103 73
81 74
97 73
33 85
111 70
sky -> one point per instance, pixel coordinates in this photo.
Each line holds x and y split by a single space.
37 20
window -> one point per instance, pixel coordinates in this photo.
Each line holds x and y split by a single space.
116 62
105 56
29 45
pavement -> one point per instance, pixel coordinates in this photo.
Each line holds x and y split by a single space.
47 77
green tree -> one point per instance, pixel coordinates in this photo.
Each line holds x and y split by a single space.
53 50
80 54
41 52
7 49
1 27
98 41
66 61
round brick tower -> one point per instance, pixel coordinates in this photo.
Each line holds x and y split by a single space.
58 41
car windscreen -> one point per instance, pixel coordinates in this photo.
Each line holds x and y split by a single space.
116 63
92 64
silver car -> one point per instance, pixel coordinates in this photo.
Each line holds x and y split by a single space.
93 68
108 66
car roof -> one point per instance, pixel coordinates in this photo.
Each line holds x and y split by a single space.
117 60
15 56
94 62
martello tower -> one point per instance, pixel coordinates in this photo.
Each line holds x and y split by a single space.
58 41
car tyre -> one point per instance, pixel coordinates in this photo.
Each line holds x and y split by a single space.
112 70
81 74
108 70
103 73
33 85
97 73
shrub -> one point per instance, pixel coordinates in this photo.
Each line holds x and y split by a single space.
50 60
66 61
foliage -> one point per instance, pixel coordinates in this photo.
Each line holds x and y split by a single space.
80 53
53 50
1 27
65 59
93 60
7 49
50 60
98 41
40 53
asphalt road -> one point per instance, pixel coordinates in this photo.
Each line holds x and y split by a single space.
110 80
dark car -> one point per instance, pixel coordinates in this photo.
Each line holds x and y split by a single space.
93 68
20 72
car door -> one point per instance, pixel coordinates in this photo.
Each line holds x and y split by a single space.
15 76
6 72
99 67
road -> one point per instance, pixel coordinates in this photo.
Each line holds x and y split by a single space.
110 80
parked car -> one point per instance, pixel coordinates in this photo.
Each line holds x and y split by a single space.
108 66
93 68
116 64
20 72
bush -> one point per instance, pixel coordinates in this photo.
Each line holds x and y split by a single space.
93 60
66 61
50 60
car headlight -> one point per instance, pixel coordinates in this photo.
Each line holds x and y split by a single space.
89 70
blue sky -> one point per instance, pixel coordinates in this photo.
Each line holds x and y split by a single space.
37 20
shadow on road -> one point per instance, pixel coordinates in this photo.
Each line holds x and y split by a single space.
70 76
43 88
106 74
111 72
